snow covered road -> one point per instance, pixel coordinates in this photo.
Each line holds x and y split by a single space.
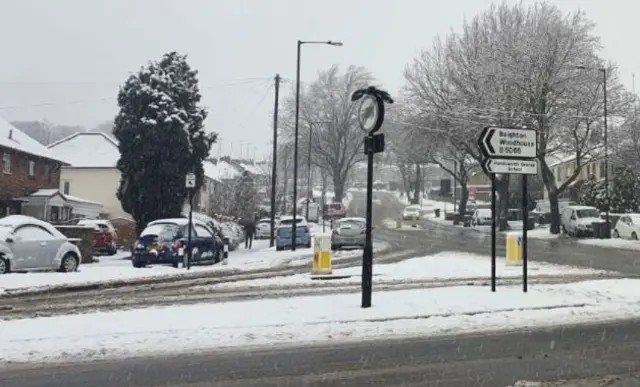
424 312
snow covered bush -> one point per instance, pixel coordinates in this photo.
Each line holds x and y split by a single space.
161 138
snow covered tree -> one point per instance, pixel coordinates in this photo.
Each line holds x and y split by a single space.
161 138
337 143
624 193
589 193
246 195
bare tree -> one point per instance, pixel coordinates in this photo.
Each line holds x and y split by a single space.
337 145
515 66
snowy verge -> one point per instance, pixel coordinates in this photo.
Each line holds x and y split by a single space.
614 243
118 271
334 318
442 266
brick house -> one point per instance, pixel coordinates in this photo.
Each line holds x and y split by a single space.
26 166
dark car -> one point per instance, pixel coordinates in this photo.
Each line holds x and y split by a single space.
164 242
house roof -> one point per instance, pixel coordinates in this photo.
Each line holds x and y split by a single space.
87 150
220 170
13 138
48 193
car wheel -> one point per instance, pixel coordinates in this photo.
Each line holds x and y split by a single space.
69 263
4 266
616 234
278 248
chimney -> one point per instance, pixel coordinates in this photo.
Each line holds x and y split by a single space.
10 134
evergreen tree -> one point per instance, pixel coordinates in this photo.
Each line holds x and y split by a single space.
161 138
246 196
588 193
624 193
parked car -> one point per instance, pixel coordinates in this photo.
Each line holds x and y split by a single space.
229 230
284 233
29 244
481 217
628 227
578 220
105 237
263 228
348 232
165 241
334 210
411 213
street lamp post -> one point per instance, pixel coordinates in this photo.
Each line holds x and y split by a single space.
295 141
603 70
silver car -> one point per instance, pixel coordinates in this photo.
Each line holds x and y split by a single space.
29 244
348 232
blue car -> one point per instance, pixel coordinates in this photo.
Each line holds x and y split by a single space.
284 237
164 242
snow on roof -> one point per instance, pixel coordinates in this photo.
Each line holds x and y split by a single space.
220 170
87 150
51 192
254 169
177 221
13 138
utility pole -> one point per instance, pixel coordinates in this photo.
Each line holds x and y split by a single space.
274 180
309 195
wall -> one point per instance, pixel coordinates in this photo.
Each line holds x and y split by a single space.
18 183
96 184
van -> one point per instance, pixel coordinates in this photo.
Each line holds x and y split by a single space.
577 220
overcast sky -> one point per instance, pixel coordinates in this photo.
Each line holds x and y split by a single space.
63 60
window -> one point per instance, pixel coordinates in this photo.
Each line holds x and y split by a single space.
66 188
32 168
48 172
33 233
6 163
202 232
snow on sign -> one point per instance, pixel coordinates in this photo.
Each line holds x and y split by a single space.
190 181
508 143
517 167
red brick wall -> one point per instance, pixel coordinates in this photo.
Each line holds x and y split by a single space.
19 183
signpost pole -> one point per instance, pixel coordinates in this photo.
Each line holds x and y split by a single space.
493 233
189 249
509 151
525 226
367 262
370 118
190 184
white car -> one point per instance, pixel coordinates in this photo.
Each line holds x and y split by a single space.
578 220
481 217
628 227
29 244
263 228
411 213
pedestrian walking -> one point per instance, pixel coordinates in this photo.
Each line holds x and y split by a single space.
249 231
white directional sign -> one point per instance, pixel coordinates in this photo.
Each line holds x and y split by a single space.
517 167
190 180
508 143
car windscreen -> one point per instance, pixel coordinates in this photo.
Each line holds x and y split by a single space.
591 213
289 222
164 231
351 224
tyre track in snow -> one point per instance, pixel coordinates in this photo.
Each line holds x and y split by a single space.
214 294
184 290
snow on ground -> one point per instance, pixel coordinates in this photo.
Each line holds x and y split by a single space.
442 266
613 243
269 322
119 268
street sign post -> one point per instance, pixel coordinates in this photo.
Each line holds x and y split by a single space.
190 184
505 166
512 151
